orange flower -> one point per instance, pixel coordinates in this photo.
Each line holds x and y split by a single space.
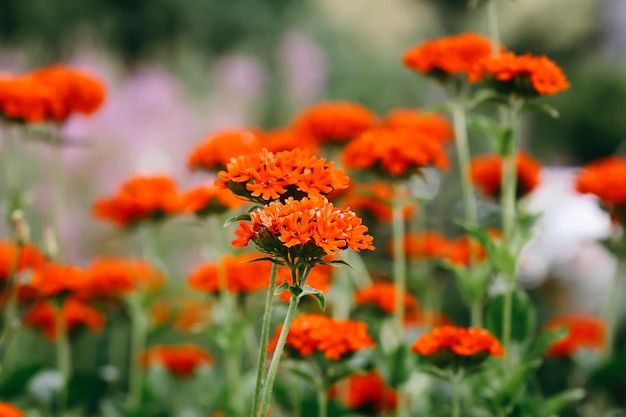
383 295
266 176
584 331
181 361
239 275
184 314
430 124
606 179
204 201
333 122
486 173
217 149
426 318
368 392
54 280
23 98
423 245
8 410
76 315
279 140
524 75
460 341
18 258
139 199
335 339
375 198
319 278
310 228
117 277
450 55
394 152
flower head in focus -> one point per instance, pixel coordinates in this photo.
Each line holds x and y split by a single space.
181 361
486 174
383 296
76 314
217 149
583 332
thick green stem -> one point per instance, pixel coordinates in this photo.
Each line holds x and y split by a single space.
322 401
456 398
59 196
64 363
399 259
139 328
265 336
476 314
492 24
266 395
612 311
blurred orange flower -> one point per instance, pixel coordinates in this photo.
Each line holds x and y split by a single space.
449 55
584 332
55 280
486 173
425 245
459 340
375 198
239 275
310 228
18 258
395 152
333 122
287 139
433 125
606 178
524 75
335 339
8 410
23 98
368 392
204 201
426 318
218 148
265 176
76 315
182 361
383 295
140 198
117 277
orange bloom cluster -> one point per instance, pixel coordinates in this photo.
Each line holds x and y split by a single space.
204 201
49 94
375 198
319 278
584 331
266 176
308 228
369 392
450 55
239 275
525 75
458 251
383 295
426 245
334 122
76 315
186 315
218 148
426 318
394 152
15 258
139 199
182 361
428 124
8 410
278 140
117 277
459 340
55 280
486 173
606 179
335 339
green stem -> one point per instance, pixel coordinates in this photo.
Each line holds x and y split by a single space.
612 311
59 196
280 346
64 363
139 329
492 24
265 336
476 312
322 401
456 400
399 259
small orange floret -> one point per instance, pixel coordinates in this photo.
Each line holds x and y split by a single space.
140 198
204 201
335 339
237 274
459 340
395 152
18 258
333 122
606 178
449 55
486 173
584 331
75 313
182 361
368 391
525 75
383 295
218 148
8 410
429 124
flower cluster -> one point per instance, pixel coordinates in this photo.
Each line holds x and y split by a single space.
76 315
383 296
204 201
424 245
606 179
333 122
394 152
287 139
583 332
265 176
449 55
185 314
181 361
56 280
112 278
368 392
140 198
428 124
218 148
375 198
310 228
335 339
524 75
233 273
16 258
49 94
486 174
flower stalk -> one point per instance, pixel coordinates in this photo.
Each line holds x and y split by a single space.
64 363
399 258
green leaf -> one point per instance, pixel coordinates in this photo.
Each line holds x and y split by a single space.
319 295
480 97
267 258
342 262
557 402
538 347
244 216
488 127
534 107
282 287
523 316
